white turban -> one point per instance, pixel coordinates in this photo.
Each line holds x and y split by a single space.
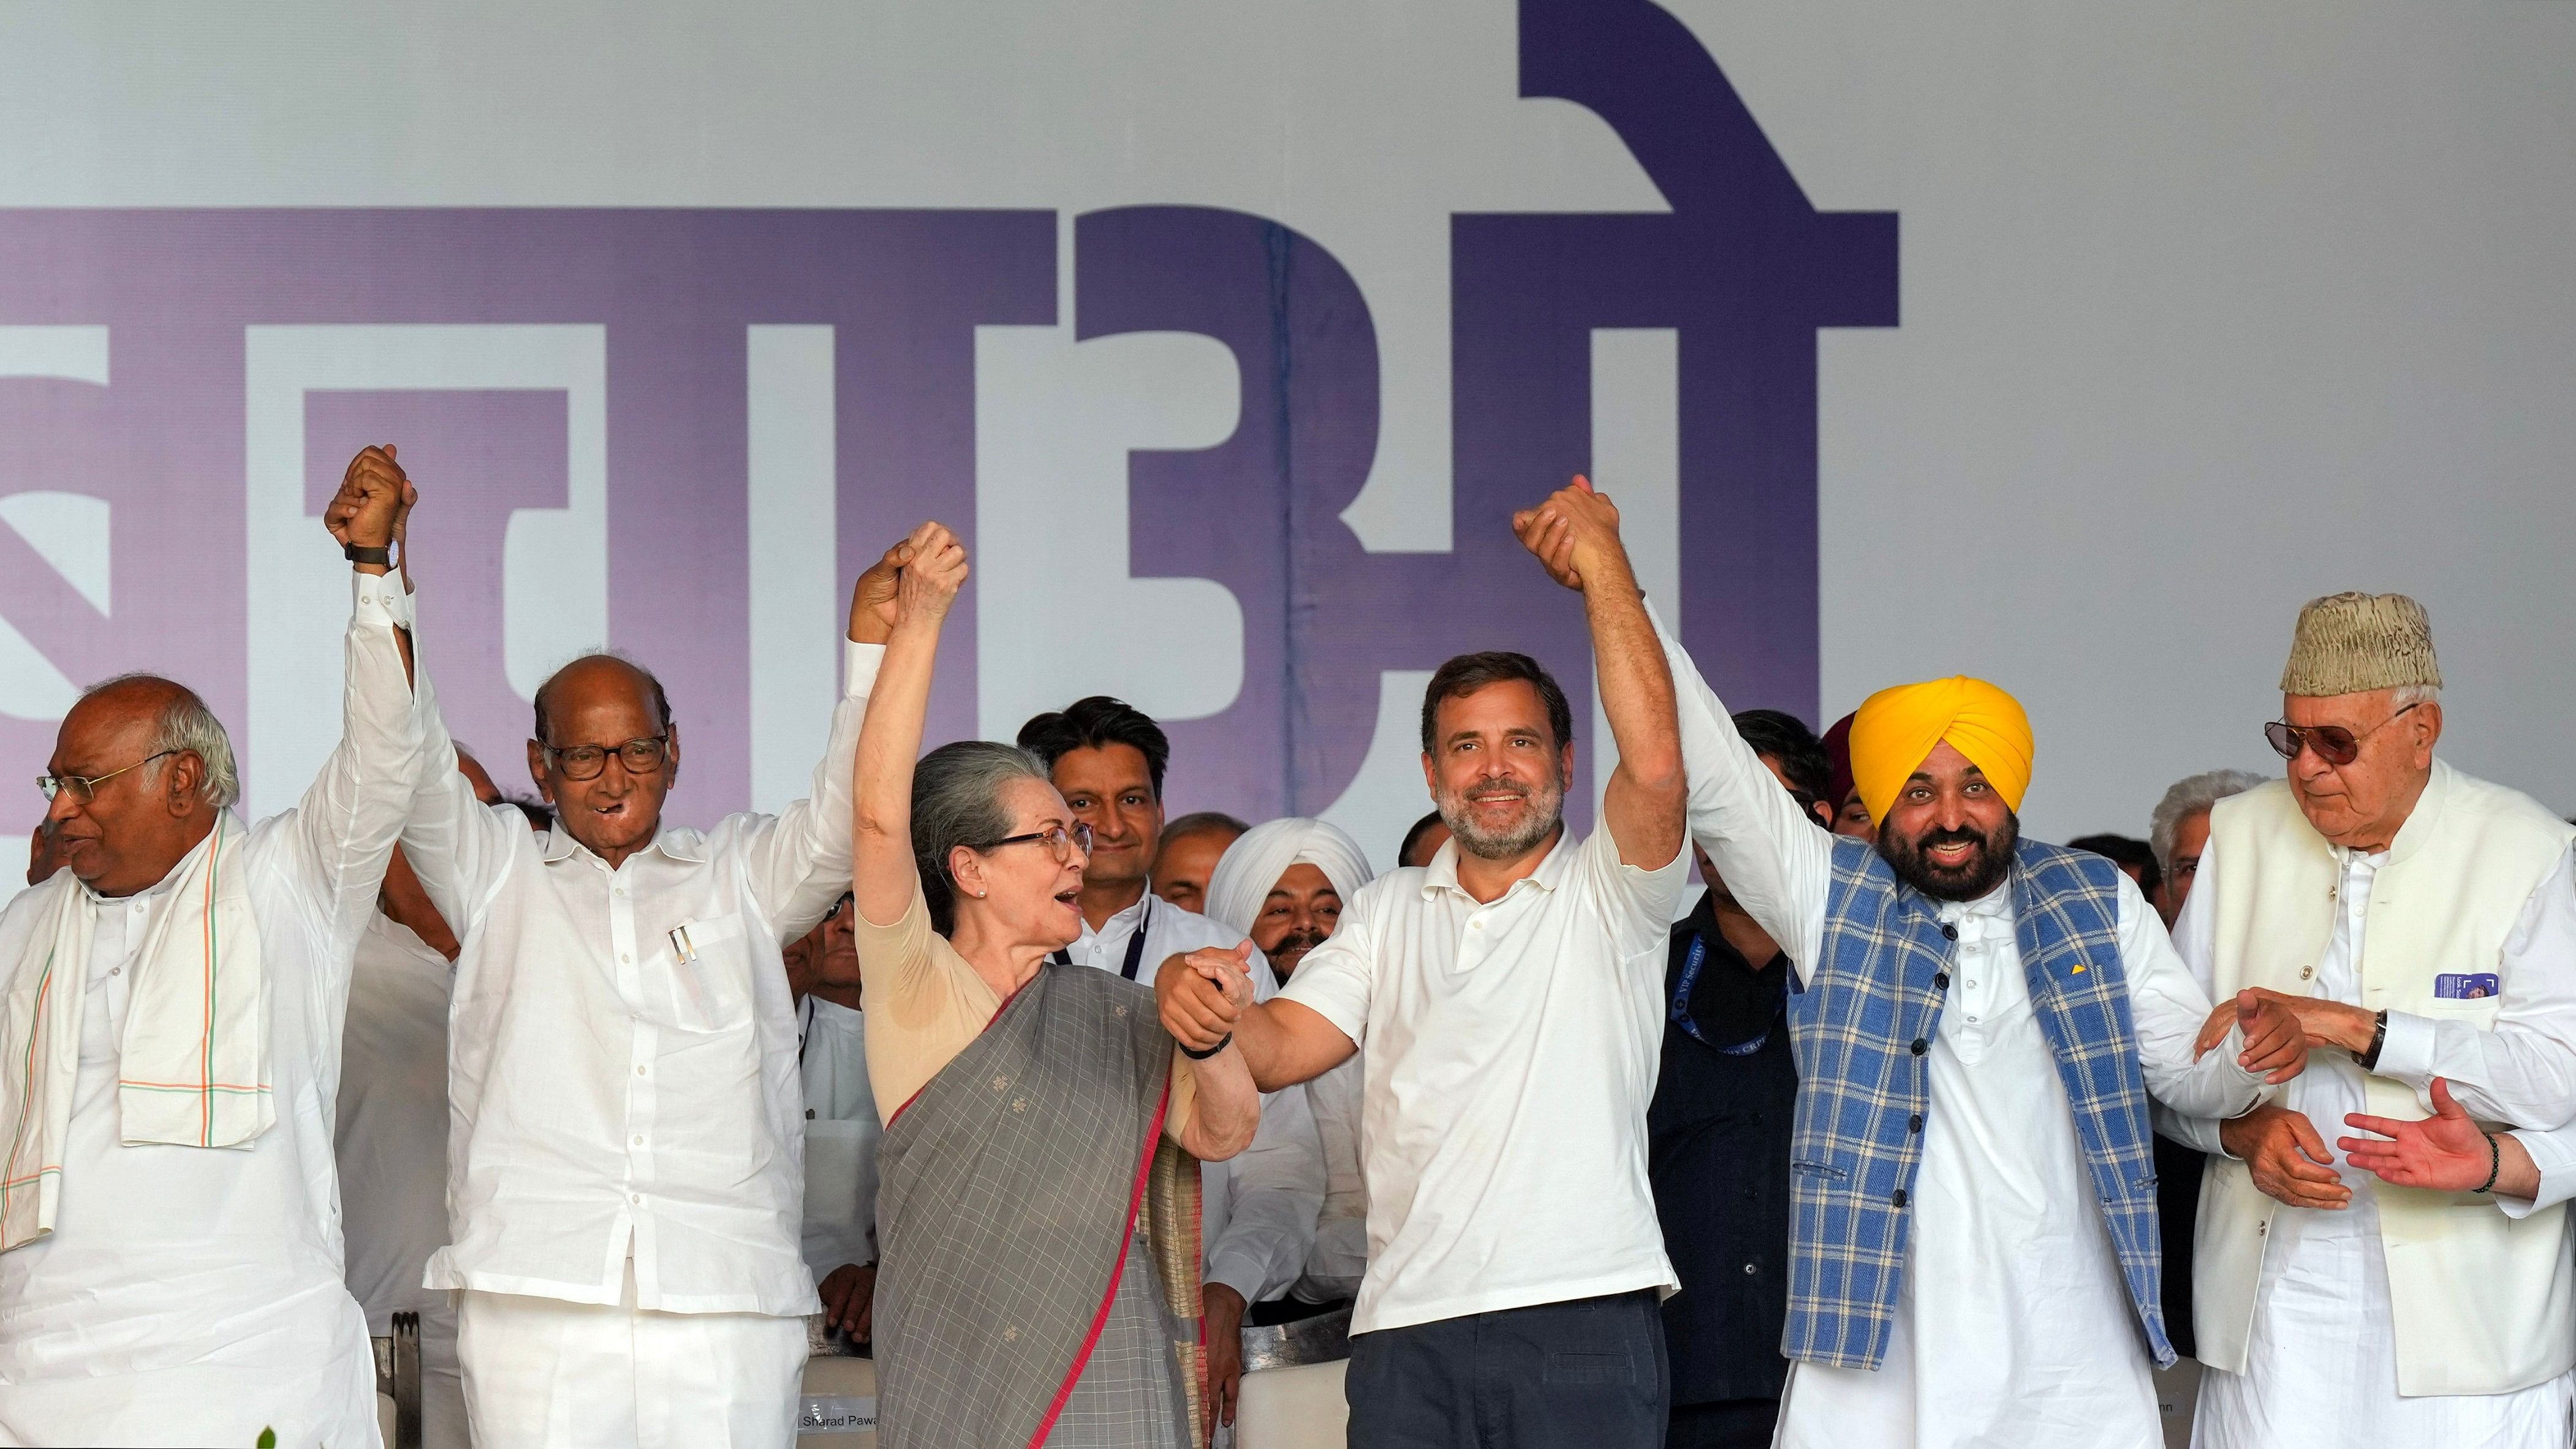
1251 867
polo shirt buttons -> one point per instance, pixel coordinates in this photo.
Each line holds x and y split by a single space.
1896 1198
1920 1046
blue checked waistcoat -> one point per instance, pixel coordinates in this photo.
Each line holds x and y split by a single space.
1862 1025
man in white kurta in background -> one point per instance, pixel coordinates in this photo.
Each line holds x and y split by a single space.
625 1192
391 1134
841 1124
1973 1247
169 1228
2423 924
1282 884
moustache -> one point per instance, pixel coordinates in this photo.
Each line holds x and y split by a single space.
1297 943
1948 835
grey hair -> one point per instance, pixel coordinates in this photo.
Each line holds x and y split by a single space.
957 800
2406 694
186 725
2188 797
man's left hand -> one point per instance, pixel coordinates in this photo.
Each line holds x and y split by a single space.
2274 1043
872 598
1223 1329
374 501
849 1294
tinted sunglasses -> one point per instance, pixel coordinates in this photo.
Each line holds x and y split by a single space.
2333 743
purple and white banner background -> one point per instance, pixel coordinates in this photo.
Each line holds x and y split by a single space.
1241 450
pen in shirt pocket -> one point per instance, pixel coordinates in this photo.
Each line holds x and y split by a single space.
684 950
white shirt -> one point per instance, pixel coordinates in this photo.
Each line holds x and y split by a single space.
2013 1324
616 1089
2325 1278
1340 1255
391 1137
841 1135
1509 1051
221 1261
1256 1209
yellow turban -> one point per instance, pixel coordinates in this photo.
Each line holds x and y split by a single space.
1896 728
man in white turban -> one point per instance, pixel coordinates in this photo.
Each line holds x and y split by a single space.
1283 885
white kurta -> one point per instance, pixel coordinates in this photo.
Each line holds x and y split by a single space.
841 1133
2014 1325
392 1148
191 1295
2321 1361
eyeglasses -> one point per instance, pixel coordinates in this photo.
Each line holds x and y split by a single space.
584 762
84 788
1061 840
2333 743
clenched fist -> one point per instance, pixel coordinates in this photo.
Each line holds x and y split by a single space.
1202 994
374 501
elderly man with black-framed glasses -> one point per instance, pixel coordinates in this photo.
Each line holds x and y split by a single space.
625 1185
170 1009
2422 925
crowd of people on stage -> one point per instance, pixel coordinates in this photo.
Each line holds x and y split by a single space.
1905 1130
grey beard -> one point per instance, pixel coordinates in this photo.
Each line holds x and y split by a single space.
1547 814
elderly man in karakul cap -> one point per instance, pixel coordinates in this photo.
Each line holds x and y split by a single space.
2422 924
1980 1020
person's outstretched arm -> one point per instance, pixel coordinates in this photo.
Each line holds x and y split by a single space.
932 567
1645 805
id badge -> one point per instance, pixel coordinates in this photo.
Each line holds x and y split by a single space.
2466 986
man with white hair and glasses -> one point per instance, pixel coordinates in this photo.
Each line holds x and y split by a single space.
170 1007
2421 924
2178 831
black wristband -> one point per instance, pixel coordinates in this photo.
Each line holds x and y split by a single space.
2378 1039
1211 1051
360 553
2495 1163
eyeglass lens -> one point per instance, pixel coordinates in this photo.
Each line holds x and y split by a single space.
584 762
2333 743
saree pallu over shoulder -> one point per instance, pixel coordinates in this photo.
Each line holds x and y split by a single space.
1010 1189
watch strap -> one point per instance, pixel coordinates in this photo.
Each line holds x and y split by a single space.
360 553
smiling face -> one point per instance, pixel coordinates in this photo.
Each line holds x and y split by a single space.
1020 895
130 834
604 702
1183 865
2361 805
1112 788
1496 770
1949 835
1300 912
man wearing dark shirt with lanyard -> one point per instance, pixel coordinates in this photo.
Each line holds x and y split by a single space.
1718 1134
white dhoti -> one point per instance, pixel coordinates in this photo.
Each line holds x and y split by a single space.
541 1373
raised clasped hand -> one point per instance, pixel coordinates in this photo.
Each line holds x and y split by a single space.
1574 530
933 570
374 502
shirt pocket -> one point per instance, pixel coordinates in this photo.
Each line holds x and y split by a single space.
710 962
2478 1012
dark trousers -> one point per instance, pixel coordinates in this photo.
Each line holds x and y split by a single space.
1588 1374
1726 1424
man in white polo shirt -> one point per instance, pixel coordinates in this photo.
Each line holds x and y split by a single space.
1507 999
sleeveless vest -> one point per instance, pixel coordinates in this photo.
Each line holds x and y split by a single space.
1862 1026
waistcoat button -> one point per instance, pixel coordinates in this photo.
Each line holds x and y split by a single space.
1914 1123
1940 980
1896 1198
1949 932
1920 1046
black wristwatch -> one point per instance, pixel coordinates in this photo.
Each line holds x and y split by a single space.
360 553
2378 1039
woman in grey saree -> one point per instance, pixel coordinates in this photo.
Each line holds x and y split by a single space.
1037 1215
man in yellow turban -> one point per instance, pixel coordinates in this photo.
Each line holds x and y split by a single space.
1979 1021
